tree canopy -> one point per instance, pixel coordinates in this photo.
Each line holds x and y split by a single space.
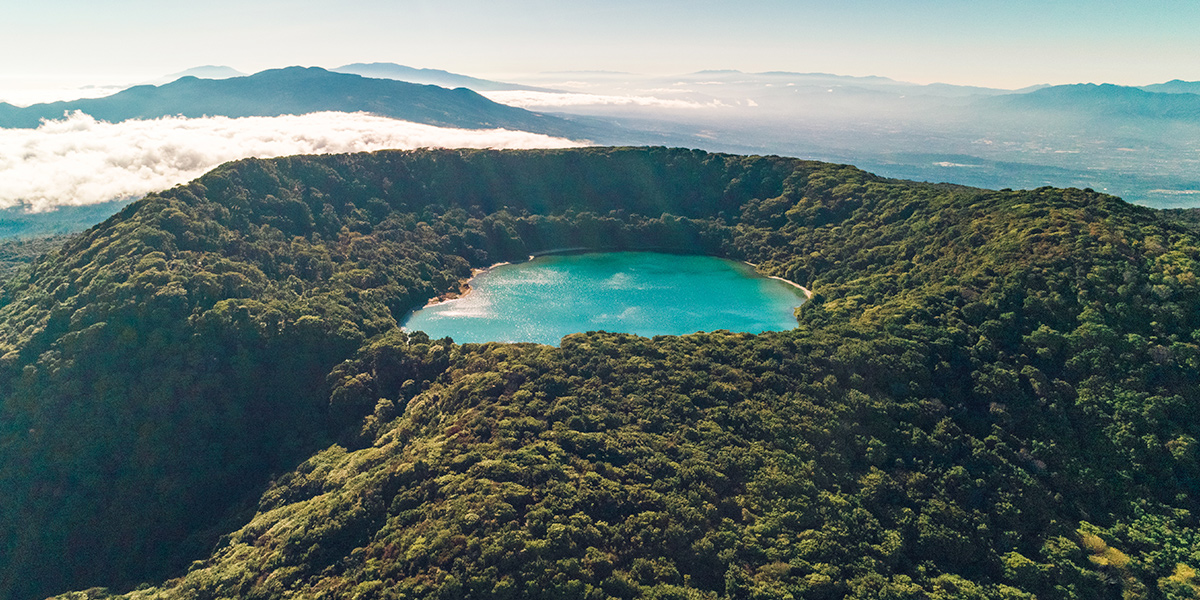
991 394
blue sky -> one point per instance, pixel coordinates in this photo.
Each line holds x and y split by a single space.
983 42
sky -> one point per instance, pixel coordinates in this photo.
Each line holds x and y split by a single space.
1007 44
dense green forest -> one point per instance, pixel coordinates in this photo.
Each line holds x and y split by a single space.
16 254
991 394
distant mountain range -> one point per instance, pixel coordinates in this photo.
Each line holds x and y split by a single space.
204 72
867 82
1106 100
438 77
1175 86
298 90
728 84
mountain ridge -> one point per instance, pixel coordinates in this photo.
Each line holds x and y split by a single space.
201 72
1106 99
1174 86
298 90
438 77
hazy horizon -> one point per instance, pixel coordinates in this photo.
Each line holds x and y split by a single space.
29 89
1004 45
26 91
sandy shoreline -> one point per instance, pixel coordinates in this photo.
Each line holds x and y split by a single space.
464 288
803 290
807 294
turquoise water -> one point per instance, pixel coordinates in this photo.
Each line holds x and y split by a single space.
630 292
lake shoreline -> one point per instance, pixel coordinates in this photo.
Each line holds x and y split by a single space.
464 287
807 293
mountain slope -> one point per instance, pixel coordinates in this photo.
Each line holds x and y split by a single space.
297 90
990 395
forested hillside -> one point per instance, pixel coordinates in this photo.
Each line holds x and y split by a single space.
991 394
15 254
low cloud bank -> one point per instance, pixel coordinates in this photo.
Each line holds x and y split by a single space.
20 91
530 99
79 160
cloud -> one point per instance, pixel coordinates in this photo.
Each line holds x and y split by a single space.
531 99
25 90
79 160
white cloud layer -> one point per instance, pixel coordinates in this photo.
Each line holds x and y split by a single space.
18 96
532 99
23 90
79 160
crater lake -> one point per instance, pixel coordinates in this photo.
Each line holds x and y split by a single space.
645 293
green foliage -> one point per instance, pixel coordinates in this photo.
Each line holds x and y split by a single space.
15 254
991 394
